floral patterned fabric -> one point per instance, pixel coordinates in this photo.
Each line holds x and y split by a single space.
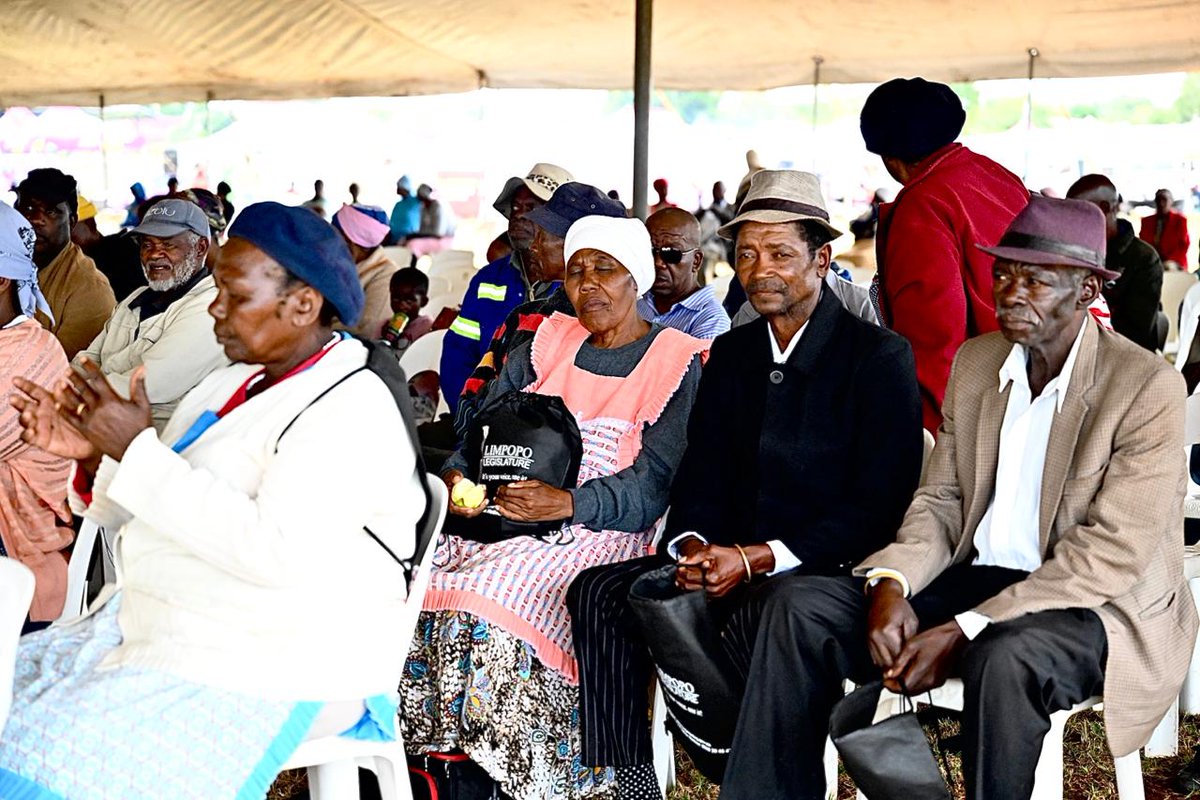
470 685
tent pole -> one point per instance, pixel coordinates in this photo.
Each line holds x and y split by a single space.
817 62
208 98
1033 54
644 15
104 148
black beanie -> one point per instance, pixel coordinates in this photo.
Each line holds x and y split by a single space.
909 118
50 186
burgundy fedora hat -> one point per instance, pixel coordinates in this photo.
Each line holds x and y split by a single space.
1049 232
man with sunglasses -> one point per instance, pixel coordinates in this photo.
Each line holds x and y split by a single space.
677 300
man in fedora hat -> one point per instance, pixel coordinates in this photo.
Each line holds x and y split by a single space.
931 285
804 449
1041 554
503 284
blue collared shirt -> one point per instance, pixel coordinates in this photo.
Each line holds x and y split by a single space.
699 314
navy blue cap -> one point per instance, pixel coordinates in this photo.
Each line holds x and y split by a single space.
307 248
572 202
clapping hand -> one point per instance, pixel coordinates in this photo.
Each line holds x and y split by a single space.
87 401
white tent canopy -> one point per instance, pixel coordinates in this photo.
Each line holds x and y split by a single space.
136 51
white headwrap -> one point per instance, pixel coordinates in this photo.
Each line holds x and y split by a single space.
16 261
625 239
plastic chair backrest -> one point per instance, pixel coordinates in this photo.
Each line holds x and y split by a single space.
452 261
78 568
425 353
400 256
440 497
436 304
1175 286
16 593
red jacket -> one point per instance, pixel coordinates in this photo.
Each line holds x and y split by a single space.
1175 240
935 285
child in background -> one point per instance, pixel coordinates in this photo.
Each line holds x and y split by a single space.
410 294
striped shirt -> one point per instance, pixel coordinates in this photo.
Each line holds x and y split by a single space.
700 314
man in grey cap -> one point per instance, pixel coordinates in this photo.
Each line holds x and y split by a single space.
164 326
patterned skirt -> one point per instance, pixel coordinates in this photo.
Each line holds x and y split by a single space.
472 686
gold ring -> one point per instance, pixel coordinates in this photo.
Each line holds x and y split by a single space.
79 409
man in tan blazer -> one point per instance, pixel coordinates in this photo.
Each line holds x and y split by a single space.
1042 554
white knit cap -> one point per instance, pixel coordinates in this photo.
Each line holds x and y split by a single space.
625 239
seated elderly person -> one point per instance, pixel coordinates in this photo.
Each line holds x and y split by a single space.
495 628
364 228
1042 553
276 476
164 327
35 523
677 299
803 451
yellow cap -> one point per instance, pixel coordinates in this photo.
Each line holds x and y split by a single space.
87 209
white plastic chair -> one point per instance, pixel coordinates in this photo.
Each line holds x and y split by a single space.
1175 286
662 743
78 568
426 354
16 594
439 301
333 761
399 255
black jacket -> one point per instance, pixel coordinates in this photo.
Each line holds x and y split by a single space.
825 460
1133 298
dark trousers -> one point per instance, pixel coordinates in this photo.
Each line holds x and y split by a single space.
811 635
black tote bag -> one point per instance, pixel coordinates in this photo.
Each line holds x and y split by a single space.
888 760
701 695
522 436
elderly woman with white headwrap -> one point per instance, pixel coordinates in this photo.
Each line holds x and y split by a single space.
492 671
35 523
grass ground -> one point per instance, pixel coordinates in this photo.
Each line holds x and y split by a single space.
1086 760
1088 766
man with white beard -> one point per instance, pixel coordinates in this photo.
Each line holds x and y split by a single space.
164 326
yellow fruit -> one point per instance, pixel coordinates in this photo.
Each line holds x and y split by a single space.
468 494
475 496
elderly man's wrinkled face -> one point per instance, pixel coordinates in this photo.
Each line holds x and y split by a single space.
257 316
171 261
520 229
602 291
52 222
675 236
777 269
1036 305
548 260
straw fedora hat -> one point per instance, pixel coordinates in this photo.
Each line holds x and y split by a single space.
781 195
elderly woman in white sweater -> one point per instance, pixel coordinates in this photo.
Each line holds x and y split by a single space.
252 608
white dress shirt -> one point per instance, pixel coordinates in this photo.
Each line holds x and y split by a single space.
785 559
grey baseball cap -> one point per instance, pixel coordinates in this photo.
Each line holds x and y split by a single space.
173 216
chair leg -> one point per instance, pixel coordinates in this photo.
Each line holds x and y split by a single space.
1129 777
337 780
831 770
1048 776
661 743
1164 741
393 778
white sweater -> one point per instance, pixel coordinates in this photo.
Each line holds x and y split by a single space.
250 570
177 347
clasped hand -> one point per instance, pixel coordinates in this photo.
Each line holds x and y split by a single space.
84 418
911 662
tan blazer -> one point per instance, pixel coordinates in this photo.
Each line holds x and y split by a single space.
1111 514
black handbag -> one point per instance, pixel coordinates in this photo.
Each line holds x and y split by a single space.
888 760
522 436
699 689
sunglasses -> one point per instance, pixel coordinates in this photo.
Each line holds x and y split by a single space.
671 255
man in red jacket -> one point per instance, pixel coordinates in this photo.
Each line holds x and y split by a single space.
1166 229
933 286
